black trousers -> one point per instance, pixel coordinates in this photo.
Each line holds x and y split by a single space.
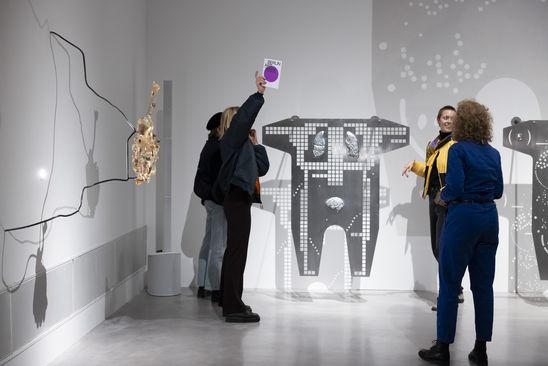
237 207
437 215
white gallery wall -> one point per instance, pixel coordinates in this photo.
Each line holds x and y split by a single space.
399 60
62 278
211 50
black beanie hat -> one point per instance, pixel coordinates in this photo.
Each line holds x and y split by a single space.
214 121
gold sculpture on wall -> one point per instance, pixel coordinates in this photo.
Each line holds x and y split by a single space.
145 144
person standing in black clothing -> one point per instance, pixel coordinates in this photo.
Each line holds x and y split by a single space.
434 170
213 245
244 161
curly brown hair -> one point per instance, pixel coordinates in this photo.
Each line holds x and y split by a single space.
473 122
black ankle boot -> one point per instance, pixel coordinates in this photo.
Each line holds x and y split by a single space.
215 296
479 353
438 353
201 292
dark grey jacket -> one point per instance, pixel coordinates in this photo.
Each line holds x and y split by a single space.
243 162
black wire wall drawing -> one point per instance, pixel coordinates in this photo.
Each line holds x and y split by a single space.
147 156
127 178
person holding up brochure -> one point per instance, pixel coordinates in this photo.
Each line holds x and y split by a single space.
244 160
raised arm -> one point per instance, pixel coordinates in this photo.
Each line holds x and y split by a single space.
243 120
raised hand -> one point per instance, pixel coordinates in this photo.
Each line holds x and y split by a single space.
260 82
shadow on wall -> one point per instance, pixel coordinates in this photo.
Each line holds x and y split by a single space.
417 238
92 170
40 298
193 233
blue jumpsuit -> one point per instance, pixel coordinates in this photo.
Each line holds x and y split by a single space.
470 236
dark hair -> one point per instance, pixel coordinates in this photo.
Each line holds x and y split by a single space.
473 122
445 108
214 121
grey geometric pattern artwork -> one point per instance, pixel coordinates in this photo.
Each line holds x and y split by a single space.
515 207
335 181
531 138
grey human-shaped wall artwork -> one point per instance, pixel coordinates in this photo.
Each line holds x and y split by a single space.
335 181
531 138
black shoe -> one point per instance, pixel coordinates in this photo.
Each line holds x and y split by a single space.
245 317
478 358
438 353
246 307
215 296
201 292
479 354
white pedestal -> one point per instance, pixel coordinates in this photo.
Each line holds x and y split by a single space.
164 274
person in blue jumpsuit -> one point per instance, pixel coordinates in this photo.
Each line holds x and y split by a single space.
470 237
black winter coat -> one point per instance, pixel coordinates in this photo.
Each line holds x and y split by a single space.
243 162
208 169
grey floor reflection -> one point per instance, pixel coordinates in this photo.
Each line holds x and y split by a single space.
305 296
386 329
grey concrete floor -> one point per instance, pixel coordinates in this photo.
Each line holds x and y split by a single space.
299 328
